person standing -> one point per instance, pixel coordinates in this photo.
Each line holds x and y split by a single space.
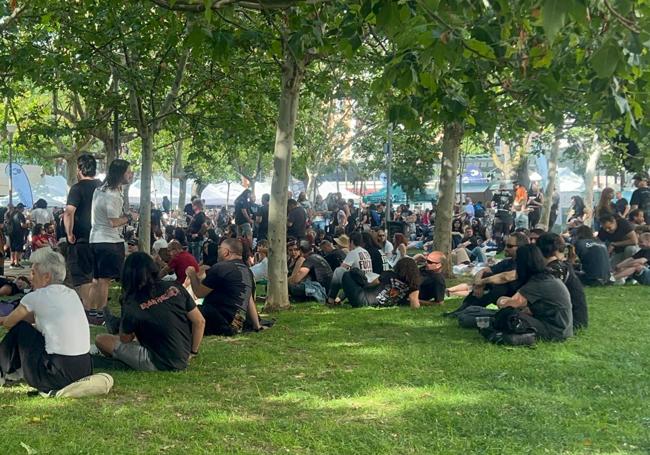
40 214
77 222
107 220
641 196
622 205
262 218
535 204
502 201
18 235
296 220
197 229
243 215
166 204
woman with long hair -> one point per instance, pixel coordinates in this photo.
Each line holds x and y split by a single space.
161 328
399 286
605 205
399 245
543 299
577 210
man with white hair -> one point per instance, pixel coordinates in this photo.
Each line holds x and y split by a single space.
54 352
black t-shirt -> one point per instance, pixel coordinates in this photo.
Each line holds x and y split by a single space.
564 272
81 197
335 258
505 265
298 217
623 228
232 285
643 253
473 241
641 198
319 269
392 290
550 302
433 286
161 325
5 282
621 205
263 227
189 212
378 260
197 224
17 220
594 259
242 204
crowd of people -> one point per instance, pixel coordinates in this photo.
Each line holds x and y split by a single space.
205 266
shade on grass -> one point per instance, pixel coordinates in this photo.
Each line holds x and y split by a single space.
369 381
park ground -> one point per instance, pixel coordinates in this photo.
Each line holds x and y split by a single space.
374 381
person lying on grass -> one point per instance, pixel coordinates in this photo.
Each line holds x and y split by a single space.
397 287
160 314
13 287
543 300
227 290
54 351
636 267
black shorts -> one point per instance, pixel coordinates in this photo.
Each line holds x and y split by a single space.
17 243
80 262
108 260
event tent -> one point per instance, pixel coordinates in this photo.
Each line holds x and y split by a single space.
221 194
159 188
399 196
326 188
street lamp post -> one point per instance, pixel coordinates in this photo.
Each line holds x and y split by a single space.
11 129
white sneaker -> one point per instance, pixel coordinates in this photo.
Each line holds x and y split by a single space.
93 385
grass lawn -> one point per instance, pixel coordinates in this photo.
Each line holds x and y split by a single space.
369 381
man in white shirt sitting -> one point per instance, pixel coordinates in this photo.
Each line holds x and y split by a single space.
54 352
357 258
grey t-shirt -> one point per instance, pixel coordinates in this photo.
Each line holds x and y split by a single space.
107 204
550 302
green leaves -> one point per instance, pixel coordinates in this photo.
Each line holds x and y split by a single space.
553 16
480 48
605 60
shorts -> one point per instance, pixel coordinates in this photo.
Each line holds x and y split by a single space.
80 262
643 277
108 260
17 243
134 355
244 230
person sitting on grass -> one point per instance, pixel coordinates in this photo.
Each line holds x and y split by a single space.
16 286
180 260
39 237
357 258
399 286
594 257
432 286
400 243
227 290
261 267
48 338
491 283
552 247
161 328
543 300
471 244
636 267
619 235
333 255
312 278
379 260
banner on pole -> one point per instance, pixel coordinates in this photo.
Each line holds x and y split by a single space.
21 184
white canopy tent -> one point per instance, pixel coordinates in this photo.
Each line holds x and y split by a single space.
295 186
159 189
221 194
326 188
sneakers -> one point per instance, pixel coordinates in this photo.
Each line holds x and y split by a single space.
10 379
90 386
16 266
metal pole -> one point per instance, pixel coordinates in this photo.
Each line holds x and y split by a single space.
171 187
11 175
388 148
116 133
337 179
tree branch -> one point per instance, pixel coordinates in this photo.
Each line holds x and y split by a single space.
7 20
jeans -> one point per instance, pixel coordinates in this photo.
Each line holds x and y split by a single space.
195 249
478 255
335 285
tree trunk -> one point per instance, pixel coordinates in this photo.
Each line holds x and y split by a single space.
179 172
144 236
312 176
71 170
453 134
182 191
278 292
110 151
590 172
552 174
522 171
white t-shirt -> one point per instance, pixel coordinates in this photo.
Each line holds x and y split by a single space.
107 204
359 258
388 249
261 270
41 216
60 317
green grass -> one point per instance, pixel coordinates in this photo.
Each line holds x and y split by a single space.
369 381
